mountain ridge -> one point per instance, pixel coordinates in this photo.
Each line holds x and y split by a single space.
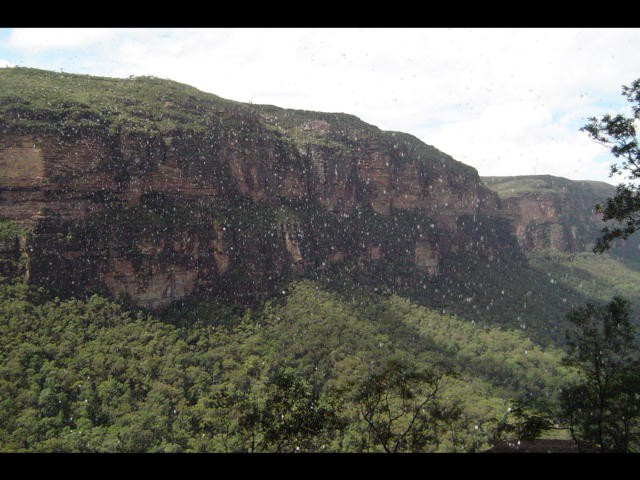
83 158
154 193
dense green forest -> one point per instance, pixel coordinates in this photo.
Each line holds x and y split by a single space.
326 366
313 371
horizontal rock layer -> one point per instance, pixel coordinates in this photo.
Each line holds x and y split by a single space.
254 194
555 213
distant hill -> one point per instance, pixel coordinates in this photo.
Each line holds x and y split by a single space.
557 213
556 224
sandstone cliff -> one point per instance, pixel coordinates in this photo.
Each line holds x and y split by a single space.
153 191
555 213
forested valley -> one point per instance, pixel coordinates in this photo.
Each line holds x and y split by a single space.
184 273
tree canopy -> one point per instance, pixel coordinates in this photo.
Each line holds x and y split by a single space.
601 409
316 371
619 133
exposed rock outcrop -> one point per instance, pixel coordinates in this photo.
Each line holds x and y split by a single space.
554 213
215 197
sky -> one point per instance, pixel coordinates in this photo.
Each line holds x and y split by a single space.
505 101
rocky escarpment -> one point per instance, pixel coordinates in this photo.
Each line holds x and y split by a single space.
555 213
152 191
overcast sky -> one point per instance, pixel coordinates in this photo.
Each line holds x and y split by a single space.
505 101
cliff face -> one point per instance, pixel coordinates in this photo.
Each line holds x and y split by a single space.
187 193
552 212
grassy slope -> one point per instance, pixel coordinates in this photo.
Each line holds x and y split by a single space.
37 99
507 187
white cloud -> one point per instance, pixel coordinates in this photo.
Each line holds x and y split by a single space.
5 64
522 138
505 101
43 39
